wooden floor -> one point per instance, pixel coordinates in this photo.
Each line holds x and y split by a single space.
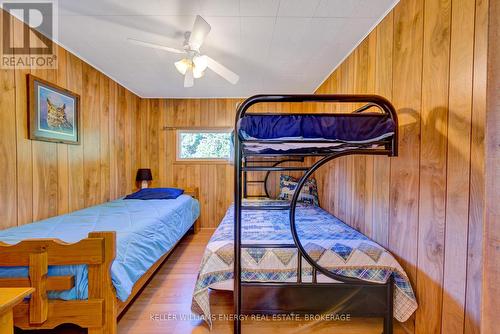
170 291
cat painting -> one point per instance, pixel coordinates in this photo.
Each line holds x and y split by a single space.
54 112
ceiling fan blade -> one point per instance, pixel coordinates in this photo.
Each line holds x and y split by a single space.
189 78
155 46
222 70
200 30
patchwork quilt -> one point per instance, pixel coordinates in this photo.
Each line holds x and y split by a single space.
330 242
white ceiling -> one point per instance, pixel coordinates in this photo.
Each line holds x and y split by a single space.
276 46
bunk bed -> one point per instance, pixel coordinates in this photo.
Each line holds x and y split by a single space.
344 271
87 266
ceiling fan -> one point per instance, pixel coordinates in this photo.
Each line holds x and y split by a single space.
194 64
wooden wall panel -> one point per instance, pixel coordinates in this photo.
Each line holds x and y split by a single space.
75 152
62 149
120 137
491 304
44 159
104 137
433 154
113 140
158 151
458 166
43 179
24 184
8 195
381 165
90 106
473 296
405 173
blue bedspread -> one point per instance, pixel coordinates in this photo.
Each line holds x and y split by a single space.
145 230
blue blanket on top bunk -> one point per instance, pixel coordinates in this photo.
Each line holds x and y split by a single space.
352 128
145 231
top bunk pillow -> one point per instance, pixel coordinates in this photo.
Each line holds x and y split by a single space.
308 193
156 193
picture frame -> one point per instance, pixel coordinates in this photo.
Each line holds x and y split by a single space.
54 112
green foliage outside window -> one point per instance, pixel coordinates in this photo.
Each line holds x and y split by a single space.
205 145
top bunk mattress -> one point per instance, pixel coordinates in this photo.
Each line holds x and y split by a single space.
145 231
296 132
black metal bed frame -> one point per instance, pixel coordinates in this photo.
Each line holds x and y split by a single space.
351 296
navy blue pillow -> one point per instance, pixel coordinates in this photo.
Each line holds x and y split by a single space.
156 193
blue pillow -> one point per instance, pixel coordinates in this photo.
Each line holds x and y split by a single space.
156 193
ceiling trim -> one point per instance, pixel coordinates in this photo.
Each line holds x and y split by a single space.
380 19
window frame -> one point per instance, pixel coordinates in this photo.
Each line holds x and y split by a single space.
181 160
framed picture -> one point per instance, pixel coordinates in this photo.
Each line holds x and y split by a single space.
54 112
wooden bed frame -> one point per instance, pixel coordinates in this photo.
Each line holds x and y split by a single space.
99 313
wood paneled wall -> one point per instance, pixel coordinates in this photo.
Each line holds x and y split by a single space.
42 179
158 150
426 206
491 302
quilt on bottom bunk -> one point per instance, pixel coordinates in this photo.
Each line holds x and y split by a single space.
330 242
145 230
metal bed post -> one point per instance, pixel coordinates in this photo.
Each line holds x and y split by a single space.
245 180
237 233
388 319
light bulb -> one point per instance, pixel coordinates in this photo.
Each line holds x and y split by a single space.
200 62
197 73
182 65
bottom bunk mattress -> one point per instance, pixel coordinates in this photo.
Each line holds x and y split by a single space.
145 231
330 242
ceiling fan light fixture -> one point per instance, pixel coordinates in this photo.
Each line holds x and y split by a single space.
197 73
183 65
194 64
200 63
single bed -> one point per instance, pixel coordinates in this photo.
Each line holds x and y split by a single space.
330 242
132 237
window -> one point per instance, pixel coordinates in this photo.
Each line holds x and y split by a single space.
205 144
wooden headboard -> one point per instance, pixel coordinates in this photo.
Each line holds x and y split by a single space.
194 192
